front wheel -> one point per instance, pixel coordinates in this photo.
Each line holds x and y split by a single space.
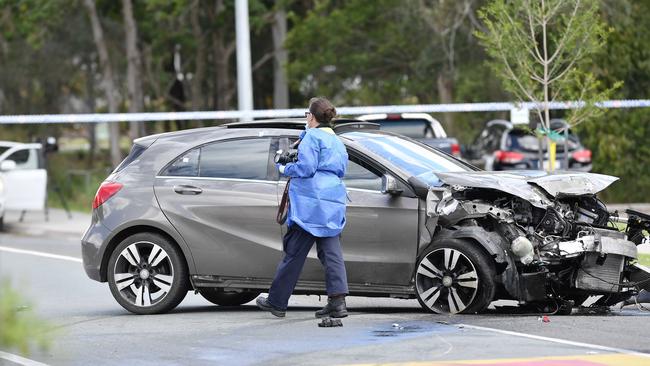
454 276
147 274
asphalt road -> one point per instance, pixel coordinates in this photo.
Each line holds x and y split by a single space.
92 329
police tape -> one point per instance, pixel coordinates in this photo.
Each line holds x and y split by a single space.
299 112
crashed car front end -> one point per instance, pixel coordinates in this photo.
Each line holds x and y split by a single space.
551 238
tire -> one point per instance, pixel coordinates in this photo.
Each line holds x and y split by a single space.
147 274
226 298
454 276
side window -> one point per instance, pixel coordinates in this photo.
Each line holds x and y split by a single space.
358 176
187 165
25 158
243 159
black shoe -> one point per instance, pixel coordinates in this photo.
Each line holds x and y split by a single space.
335 308
263 304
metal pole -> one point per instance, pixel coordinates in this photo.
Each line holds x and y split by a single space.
244 77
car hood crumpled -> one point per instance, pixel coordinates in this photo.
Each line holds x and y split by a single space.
526 183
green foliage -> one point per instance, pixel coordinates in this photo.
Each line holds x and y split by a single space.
644 259
541 50
20 328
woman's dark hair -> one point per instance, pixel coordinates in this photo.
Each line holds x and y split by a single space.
322 109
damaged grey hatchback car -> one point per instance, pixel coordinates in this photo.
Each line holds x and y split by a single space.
195 210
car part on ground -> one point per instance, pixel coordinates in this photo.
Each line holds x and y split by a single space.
204 202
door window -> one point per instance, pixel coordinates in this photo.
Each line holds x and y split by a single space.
242 159
25 159
187 165
359 176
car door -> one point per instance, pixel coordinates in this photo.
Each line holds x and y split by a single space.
25 186
379 241
222 198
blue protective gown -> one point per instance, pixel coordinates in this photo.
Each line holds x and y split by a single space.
316 193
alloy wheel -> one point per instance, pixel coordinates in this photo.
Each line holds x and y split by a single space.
446 281
143 274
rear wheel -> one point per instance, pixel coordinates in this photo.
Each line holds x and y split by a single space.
454 276
226 298
147 274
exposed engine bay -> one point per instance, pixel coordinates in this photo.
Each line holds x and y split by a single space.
551 238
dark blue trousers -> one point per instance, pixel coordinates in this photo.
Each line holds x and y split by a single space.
297 243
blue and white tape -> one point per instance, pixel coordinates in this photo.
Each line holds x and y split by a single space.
299 112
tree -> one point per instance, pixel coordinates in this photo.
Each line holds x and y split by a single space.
108 80
134 67
540 49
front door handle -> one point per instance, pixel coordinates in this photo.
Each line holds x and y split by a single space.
186 189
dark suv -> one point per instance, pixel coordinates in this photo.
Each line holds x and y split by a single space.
503 145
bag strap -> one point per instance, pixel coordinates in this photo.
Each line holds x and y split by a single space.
283 209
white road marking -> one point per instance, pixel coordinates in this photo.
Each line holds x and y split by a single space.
40 254
555 340
20 360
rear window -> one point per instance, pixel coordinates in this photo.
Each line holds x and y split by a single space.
3 149
413 128
522 140
136 151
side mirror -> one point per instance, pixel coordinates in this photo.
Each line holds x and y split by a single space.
389 185
7 165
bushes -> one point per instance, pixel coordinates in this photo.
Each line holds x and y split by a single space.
20 328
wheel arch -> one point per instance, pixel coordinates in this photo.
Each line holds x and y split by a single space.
125 232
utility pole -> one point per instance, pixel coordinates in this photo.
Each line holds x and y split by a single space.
244 77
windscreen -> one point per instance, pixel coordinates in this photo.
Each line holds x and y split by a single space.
416 159
413 128
3 149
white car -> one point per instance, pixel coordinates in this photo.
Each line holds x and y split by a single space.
23 178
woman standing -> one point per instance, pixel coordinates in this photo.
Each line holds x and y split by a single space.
316 214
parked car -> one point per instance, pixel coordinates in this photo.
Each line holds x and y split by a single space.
418 126
503 145
23 178
195 210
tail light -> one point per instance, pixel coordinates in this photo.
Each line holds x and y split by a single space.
582 156
508 157
393 116
106 190
455 150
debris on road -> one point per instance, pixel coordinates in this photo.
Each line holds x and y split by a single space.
330 322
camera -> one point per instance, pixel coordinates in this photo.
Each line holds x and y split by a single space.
284 157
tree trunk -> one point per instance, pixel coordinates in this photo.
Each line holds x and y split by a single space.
199 71
445 95
108 81
222 52
280 84
134 68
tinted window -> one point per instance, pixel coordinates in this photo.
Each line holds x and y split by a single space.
135 153
357 176
414 128
187 165
243 159
523 140
25 158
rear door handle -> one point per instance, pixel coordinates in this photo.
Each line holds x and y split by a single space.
186 189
